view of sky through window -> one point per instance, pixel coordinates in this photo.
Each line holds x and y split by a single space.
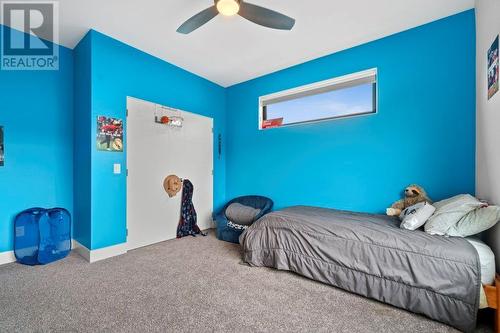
336 103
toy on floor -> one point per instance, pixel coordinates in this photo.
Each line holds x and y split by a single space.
413 195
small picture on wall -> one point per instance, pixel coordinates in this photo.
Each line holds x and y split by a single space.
109 134
493 69
2 155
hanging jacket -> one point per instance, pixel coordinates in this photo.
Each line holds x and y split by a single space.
187 223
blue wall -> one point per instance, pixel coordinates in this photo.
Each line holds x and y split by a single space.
82 142
118 71
424 132
36 111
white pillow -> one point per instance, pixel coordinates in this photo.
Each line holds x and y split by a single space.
415 216
476 221
449 212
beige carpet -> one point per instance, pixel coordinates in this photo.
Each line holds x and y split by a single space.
187 285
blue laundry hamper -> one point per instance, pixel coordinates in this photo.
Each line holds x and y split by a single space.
42 235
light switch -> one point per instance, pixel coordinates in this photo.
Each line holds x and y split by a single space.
117 168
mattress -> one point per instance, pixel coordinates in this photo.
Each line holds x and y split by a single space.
370 255
487 263
486 260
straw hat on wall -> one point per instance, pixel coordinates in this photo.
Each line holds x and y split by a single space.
172 185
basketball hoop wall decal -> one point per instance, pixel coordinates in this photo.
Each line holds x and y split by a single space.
168 116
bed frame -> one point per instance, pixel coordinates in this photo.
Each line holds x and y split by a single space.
492 238
493 298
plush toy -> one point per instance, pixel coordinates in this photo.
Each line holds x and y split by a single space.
413 195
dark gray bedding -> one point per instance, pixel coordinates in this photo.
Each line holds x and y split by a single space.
370 255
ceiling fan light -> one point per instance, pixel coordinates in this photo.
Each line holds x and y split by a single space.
228 7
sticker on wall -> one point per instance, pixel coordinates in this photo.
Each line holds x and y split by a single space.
272 123
109 134
2 150
493 69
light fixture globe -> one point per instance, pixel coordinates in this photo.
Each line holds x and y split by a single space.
259 15
228 7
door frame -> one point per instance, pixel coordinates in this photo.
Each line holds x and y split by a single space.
211 224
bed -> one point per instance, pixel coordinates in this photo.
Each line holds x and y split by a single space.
435 276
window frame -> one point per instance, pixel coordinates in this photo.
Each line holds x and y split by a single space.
315 88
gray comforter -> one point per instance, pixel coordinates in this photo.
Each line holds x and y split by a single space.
370 255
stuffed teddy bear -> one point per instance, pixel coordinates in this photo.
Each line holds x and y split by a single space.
413 195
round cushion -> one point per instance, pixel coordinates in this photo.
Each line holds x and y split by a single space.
241 214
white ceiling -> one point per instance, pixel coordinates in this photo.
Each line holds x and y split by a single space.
229 50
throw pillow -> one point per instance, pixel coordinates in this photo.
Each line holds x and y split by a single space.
415 216
241 214
476 221
449 212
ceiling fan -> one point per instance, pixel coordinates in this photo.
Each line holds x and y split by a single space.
256 14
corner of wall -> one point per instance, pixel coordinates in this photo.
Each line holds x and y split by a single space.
82 140
487 110
100 254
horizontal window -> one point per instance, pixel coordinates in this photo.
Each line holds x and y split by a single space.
346 96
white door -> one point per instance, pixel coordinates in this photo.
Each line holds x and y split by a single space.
155 151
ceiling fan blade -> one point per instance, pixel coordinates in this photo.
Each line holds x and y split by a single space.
198 20
266 17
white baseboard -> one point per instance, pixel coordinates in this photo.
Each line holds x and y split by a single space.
7 257
80 249
99 254
108 252
89 255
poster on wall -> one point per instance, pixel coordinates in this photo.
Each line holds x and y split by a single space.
2 155
109 134
493 69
